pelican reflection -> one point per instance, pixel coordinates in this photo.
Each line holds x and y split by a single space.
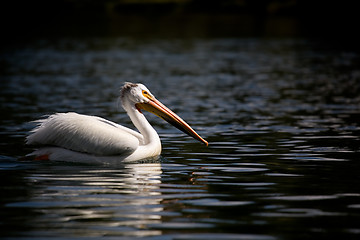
89 201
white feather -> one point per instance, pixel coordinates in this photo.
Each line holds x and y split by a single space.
66 155
86 134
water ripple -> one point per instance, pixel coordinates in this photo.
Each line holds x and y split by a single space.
304 197
281 117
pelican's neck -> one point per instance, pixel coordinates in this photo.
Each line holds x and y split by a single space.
142 124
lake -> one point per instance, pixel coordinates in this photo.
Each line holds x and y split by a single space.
281 117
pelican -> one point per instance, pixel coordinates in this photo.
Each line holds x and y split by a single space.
76 137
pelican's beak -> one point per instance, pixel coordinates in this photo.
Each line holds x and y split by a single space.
160 110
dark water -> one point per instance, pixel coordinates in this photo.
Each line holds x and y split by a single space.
281 116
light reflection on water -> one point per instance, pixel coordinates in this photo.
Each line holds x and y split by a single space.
281 117
99 201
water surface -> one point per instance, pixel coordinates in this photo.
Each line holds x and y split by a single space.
281 118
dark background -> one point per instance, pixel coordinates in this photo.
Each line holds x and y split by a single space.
334 21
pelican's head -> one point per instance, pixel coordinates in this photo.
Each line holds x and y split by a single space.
141 98
135 92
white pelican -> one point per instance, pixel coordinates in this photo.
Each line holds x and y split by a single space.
75 137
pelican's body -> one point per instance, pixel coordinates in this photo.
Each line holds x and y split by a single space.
76 137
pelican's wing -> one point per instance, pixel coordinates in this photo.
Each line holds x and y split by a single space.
88 134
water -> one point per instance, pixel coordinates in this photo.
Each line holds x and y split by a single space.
281 117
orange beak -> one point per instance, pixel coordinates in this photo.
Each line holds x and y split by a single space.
160 110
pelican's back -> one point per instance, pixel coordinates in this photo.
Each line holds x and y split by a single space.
87 134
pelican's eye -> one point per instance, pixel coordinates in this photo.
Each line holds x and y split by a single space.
146 94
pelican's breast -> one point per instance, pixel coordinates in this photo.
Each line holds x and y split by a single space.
88 134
